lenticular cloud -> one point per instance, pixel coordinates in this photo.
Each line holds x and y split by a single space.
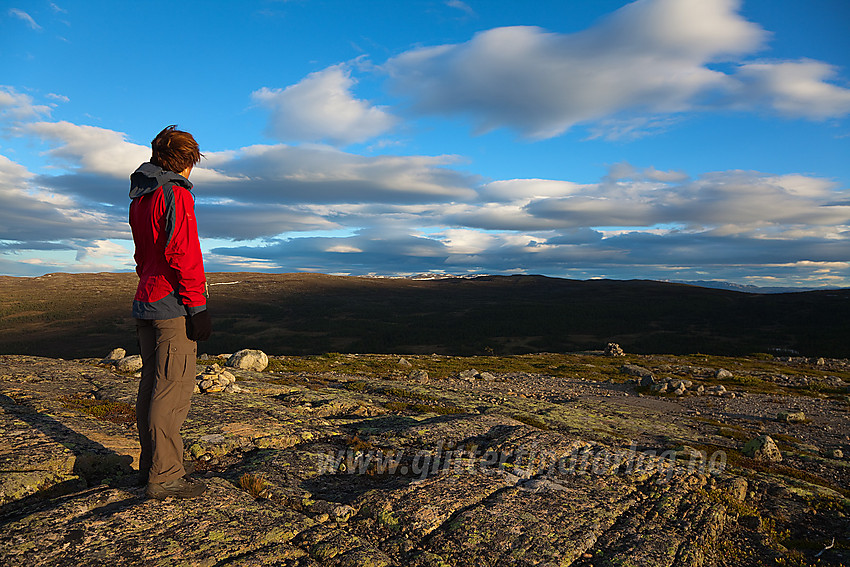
650 58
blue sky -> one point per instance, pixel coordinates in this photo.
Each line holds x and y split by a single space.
657 139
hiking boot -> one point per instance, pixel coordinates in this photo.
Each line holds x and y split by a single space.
142 478
180 488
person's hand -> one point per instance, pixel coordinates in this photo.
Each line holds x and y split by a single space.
200 326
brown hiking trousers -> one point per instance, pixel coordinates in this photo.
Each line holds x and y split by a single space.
168 380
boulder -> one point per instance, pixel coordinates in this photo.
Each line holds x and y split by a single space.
722 374
404 362
130 363
249 359
762 448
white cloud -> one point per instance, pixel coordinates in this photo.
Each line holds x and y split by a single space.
794 88
633 72
92 149
103 250
410 214
21 15
19 106
320 174
322 108
734 201
34 218
462 6
343 249
245 221
521 189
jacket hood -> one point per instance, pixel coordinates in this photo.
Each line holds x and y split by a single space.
148 177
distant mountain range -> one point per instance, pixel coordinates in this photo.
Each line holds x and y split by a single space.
715 284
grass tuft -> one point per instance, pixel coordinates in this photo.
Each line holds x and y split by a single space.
254 484
107 410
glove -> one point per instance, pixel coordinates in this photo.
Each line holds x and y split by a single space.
200 326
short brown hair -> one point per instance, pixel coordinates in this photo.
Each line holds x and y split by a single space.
175 150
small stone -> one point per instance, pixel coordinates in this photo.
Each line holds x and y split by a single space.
635 370
738 488
723 374
196 450
836 454
762 448
129 363
486 376
115 354
647 381
680 390
660 388
206 384
404 362
791 416
343 513
468 374
420 376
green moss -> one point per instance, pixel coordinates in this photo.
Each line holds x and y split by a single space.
386 518
423 408
531 420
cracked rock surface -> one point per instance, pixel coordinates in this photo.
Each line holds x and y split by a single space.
336 469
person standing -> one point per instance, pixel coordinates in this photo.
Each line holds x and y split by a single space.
170 308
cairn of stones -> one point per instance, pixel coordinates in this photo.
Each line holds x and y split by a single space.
214 378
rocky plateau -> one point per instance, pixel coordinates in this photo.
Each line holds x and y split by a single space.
587 459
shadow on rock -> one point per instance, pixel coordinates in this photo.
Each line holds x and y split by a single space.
49 460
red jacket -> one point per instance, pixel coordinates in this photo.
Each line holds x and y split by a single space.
168 255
